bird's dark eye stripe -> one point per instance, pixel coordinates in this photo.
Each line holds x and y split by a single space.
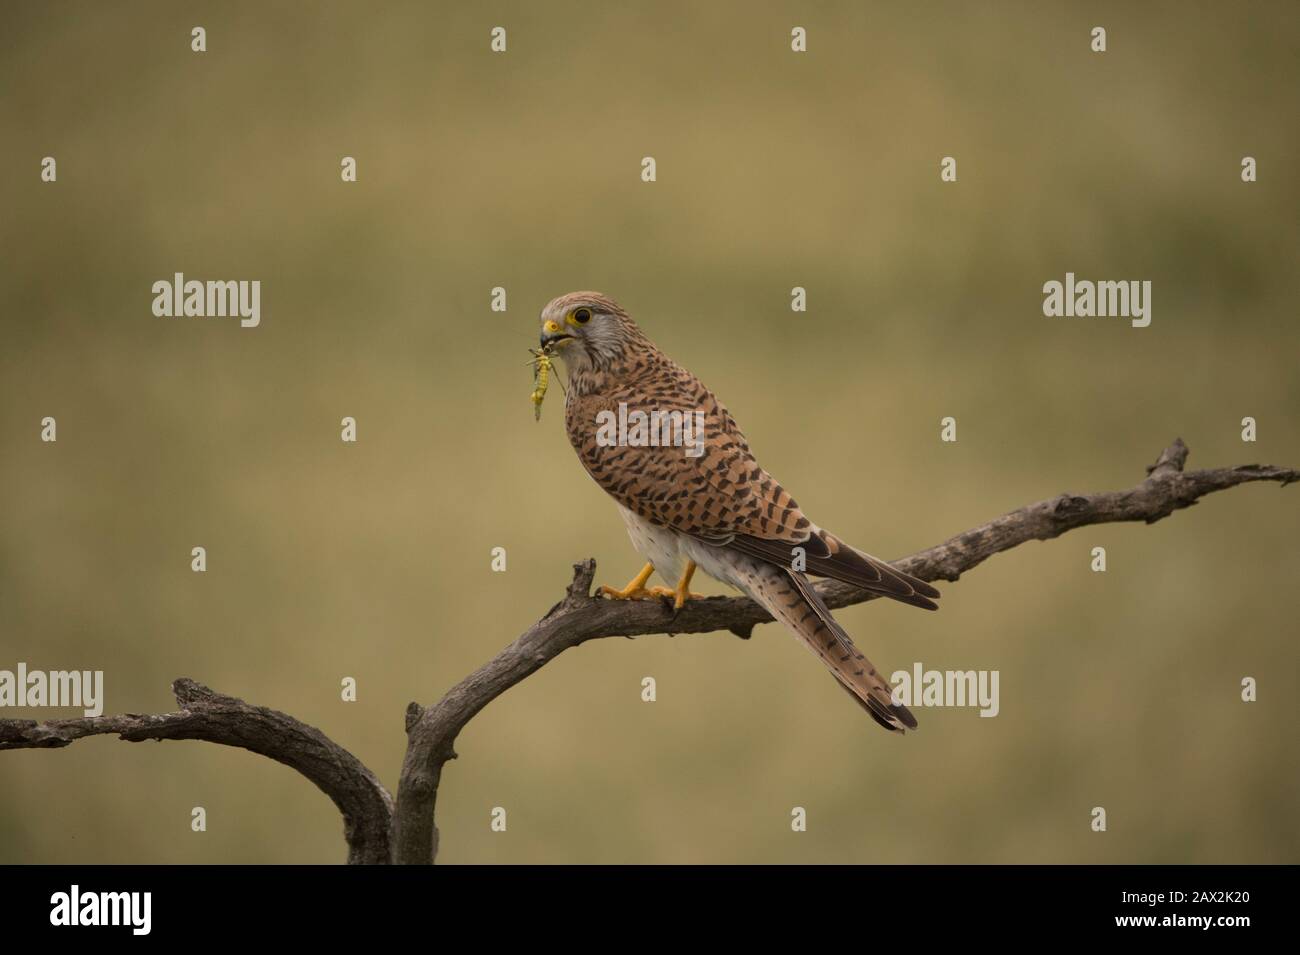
582 316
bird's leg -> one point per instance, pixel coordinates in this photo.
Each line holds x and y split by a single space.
635 589
683 591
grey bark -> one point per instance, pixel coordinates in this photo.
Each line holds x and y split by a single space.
377 830
205 715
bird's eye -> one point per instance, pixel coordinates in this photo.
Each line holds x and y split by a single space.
582 316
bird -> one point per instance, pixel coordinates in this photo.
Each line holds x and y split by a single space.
693 496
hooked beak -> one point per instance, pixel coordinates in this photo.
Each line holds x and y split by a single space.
553 334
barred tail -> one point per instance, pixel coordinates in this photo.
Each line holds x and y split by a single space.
790 598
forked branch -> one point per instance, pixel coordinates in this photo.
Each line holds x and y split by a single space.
431 731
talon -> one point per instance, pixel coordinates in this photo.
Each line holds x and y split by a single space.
683 592
680 600
635 589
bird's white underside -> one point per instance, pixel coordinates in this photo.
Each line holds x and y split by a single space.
669 550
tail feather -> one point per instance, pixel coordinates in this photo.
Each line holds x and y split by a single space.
790 598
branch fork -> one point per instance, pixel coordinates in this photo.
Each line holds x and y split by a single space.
379 829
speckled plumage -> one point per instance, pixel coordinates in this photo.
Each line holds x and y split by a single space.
719 509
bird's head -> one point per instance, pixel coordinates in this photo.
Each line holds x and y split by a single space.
585 329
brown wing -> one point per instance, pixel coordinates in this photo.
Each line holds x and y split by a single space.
828 556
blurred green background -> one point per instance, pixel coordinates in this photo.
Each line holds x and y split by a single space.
372 560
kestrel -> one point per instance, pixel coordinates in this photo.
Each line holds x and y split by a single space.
701 500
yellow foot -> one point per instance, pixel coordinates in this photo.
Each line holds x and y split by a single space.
679 596
683 591
635 589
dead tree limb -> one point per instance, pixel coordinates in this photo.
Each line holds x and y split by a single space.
204 715
579 617
369 813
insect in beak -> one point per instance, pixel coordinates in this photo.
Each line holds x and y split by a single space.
541 376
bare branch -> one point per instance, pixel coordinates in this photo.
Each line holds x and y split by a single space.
378 832
579 617
204 715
